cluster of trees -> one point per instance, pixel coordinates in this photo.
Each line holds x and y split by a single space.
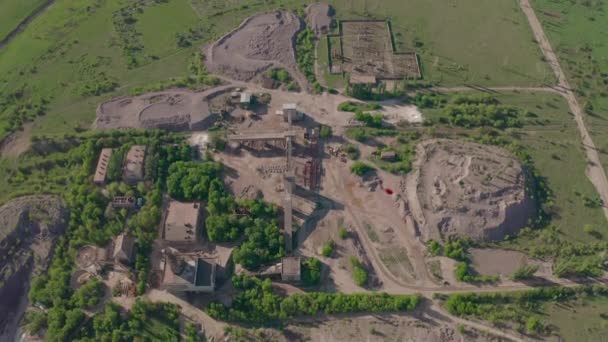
480 110
281 76
89 225
191 181
256 303
265 243
428 100
305 51
520 308
146 321
360 168
370 120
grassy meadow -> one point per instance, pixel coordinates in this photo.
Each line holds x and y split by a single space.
112 46
12 12
584 320
577 31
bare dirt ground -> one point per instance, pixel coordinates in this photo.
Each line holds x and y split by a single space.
28 228
504 262
319 17
171 109
260 42
431 326
471 190
17 143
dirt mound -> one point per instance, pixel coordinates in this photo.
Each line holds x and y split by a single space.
472 190
28 227
172 110
319 17
260 42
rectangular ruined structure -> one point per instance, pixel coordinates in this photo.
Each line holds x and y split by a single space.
188 273
291 269
102 166
133 170
182 222
124 245
367 53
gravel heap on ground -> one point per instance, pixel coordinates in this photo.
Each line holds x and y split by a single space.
471 190
260 42
28 227
319 18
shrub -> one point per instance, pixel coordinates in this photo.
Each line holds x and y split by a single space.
352 151
434 248
311 272
524 272
357 133
325 132
328 248
359 272
343 233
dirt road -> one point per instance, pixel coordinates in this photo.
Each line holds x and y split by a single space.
595 171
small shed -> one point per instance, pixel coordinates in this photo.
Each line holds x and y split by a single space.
291 269
245 99
388 155
291 109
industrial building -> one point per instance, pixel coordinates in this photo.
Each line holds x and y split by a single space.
182 222
102 167
133 170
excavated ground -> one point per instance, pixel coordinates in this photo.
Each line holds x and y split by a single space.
28 228
472 190
260 42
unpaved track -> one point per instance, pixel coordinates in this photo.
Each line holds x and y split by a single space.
595 171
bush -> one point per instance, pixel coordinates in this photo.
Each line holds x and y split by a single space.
325 132
357 133
481 110
350 106
434 248
328 248
311 272
524 272
256 303
359 272
343 233
360 168
352 151
370 120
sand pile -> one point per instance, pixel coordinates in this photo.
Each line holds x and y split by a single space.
260 42
472 190
319 17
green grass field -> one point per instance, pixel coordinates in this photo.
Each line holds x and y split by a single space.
586 320
77 44
555 147
577 32
12 12
474 42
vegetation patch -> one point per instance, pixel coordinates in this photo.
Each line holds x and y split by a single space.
523 310
257 303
